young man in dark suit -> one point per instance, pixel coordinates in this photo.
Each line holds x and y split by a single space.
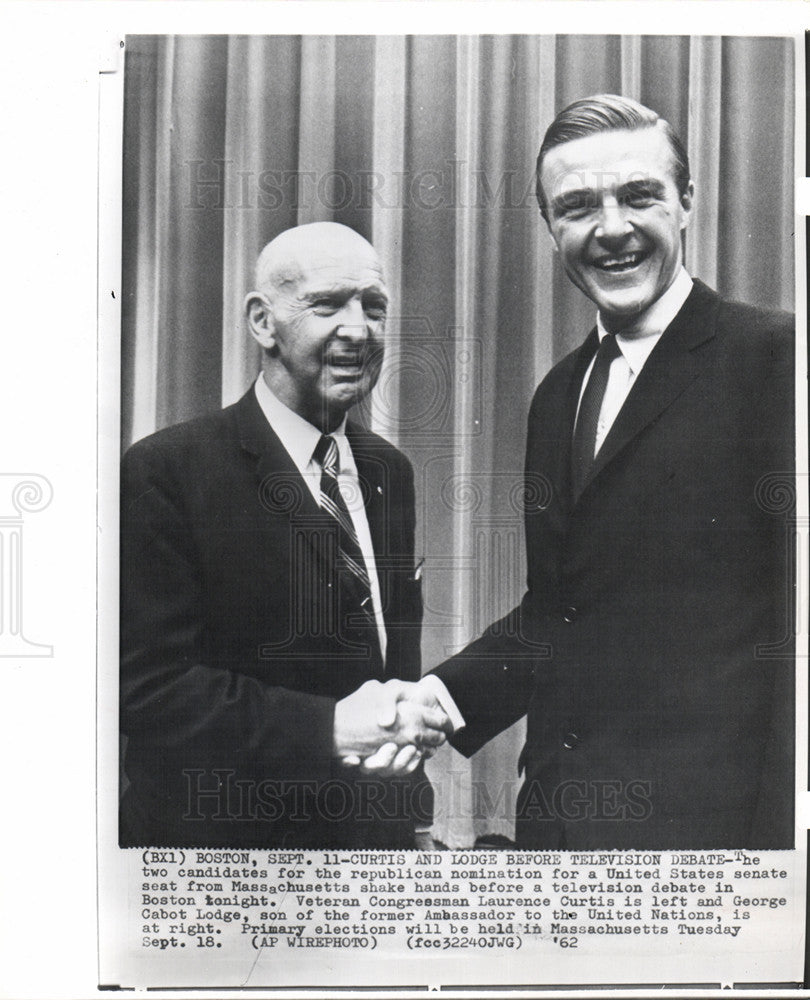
270 618
651 652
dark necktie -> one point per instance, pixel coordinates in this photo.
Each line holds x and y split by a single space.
356 585
584 443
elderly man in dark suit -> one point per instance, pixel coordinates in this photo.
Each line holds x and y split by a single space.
270 614
651 652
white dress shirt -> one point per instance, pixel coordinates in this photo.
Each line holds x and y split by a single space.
300 439
635 347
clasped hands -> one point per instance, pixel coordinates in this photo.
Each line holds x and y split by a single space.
386 729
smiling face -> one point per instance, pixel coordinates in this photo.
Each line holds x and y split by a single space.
616 217
321 319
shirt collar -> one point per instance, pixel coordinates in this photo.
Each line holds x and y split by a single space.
652 323
298 436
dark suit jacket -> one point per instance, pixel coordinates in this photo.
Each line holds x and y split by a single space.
231 661
652 649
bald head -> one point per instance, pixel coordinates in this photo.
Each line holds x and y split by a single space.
296 251
318 312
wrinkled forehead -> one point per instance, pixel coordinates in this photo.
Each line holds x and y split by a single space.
356 266
606 160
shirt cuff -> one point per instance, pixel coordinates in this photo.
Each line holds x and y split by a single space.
442 695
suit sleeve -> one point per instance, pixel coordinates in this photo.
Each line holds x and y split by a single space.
170 697
773 821
492 680
404 624
404 642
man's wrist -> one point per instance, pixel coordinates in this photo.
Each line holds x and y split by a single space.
439 691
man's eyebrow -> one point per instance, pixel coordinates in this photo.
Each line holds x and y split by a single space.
342 291
324 292
643 185
575 196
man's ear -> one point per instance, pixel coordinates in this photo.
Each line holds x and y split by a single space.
687 200
260 320
550 234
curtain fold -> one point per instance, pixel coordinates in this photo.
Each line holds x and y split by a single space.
426 146
261 164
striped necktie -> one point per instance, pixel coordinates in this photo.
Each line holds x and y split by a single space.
350 557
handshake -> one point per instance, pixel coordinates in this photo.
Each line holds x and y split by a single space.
386 729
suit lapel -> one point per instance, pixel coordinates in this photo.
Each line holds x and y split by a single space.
280 486
670 368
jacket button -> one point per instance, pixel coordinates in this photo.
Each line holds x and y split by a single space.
570 614
570 741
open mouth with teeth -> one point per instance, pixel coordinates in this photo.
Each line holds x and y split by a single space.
620 263
349 364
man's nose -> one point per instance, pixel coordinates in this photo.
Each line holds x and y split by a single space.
353 321
613 222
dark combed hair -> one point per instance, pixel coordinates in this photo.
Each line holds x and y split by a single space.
608 113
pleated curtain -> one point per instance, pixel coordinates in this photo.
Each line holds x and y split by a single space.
425 145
